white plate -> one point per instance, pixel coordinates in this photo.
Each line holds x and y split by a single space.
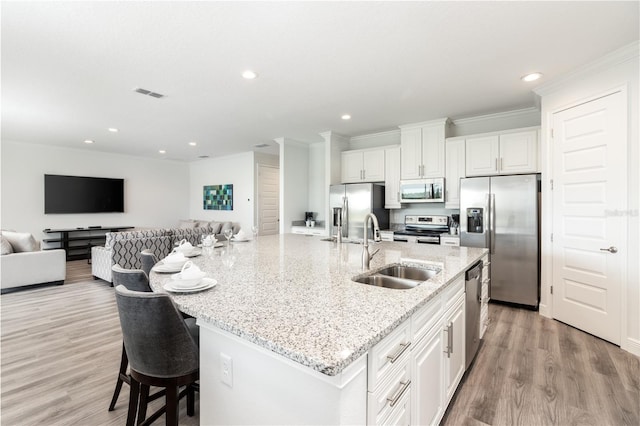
215 245
163 268
193 253
244 240
205 284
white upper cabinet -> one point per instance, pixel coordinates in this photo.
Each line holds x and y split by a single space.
422 149
363 166
454 170
502 153
392 178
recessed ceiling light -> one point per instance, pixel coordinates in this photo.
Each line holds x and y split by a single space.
346 117
113 130
88 141
193 143
162 151
532 77
249 75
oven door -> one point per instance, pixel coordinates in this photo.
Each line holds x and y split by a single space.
422 191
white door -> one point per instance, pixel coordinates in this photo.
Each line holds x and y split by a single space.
589 249
268 200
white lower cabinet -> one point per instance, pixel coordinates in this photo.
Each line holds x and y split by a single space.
416 387
484 303
455 344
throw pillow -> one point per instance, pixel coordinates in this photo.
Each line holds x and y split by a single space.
187 224
225 226
215 227
6 246
202 223
21 241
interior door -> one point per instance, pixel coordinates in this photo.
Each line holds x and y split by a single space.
268 199
589 248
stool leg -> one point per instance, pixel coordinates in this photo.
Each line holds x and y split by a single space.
191 398
124 362
171 415
142 405
134 391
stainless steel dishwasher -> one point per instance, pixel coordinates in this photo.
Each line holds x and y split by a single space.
473 288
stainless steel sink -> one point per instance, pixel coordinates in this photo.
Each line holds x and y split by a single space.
409 272
400 277
388 282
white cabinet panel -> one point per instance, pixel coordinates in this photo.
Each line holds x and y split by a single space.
427 390
519 152
503 153
363 166
411 157
433 151
455 343
482 155
392 178
454 170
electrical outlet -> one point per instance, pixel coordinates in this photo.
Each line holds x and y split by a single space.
226 369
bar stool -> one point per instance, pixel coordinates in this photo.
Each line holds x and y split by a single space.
161 351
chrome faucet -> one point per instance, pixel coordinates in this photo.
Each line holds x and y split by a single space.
366 257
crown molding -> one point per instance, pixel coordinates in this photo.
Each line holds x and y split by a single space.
375 135
496 116
437 122
617 57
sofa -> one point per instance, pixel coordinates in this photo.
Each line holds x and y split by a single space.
24 264
123 248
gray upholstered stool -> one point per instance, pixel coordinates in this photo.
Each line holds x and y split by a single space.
148 259
161 350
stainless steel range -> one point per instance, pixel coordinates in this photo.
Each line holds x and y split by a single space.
422 229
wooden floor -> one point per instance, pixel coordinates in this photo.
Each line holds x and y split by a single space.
61 348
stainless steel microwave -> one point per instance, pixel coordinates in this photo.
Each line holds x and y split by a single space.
422 191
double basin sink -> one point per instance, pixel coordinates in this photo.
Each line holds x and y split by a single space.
399 277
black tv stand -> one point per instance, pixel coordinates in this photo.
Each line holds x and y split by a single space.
77 242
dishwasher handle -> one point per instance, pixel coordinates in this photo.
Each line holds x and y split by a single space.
475 272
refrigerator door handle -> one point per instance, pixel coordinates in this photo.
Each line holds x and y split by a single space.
492 223
345 217
487 224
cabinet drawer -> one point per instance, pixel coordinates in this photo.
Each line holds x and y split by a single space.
389 396
391 351
401 413
449 241
425 318
453 292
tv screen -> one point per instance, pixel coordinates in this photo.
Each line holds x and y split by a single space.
77 194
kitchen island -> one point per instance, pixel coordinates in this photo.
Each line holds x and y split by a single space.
285 333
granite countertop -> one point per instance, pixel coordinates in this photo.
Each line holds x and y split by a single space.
293 294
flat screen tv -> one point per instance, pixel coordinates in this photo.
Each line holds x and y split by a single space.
78 194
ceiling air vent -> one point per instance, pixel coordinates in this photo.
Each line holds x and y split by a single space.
148 93
261 145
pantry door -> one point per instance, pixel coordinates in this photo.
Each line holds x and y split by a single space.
268 200
589 144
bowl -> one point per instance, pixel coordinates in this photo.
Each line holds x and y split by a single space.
187 282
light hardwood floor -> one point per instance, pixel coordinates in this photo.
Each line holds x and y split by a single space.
61 348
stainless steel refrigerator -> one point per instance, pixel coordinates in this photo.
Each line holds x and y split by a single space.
356 200
502 214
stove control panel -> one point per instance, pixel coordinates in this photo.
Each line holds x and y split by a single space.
426 220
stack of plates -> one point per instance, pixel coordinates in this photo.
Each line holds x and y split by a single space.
177 286
165 268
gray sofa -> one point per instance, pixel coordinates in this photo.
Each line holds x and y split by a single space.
23 263
123 248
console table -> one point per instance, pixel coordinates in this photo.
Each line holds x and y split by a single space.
77 242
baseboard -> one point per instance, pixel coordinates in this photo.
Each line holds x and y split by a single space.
633 346
544 310
30 286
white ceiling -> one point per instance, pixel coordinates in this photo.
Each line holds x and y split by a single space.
69 68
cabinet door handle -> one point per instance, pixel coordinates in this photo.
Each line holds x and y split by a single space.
496 161
394 399
403 348
501 164
398 196
446 349
450 339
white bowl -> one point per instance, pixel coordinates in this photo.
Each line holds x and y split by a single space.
192 281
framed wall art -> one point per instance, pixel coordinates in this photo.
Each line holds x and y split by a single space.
217 197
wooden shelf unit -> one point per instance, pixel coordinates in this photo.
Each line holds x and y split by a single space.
77 242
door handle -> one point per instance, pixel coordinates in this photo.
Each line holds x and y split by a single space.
611 249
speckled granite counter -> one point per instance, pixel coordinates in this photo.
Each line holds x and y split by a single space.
293 294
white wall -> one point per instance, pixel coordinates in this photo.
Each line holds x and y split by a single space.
617 70
294 182
154 189
238 170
